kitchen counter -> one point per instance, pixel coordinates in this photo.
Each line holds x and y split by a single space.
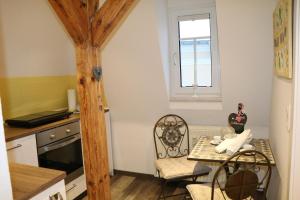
12 133
28 181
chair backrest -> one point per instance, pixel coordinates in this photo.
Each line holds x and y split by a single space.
171 137
243 179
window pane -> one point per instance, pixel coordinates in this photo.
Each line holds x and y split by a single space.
187 63
194 28
204 77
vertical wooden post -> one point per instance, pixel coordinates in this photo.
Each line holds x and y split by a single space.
92 123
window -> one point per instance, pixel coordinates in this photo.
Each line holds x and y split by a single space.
195 69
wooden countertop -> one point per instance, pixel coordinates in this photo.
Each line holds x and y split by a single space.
28 181
12 133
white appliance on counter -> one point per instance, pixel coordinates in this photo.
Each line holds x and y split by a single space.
109 142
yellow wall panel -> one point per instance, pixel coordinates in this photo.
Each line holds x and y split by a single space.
25 95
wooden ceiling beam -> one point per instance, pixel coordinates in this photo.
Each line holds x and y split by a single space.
93 6
73 15
108 18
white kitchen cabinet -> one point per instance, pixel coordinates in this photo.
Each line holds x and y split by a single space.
55 192
23 150
5 188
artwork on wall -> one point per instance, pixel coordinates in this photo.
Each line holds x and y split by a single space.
283 38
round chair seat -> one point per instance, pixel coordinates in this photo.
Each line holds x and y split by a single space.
171 168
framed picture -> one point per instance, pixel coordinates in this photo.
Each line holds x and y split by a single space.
283 38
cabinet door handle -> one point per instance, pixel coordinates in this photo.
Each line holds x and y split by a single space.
57 196
68 130
18 146
52 136
71 188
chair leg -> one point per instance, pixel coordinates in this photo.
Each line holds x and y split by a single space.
187 195
194 179
162 194
165 196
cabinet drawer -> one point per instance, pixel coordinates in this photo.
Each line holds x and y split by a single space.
57 133
23 151
76 187
58 188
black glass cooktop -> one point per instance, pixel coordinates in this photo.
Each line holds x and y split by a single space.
37 119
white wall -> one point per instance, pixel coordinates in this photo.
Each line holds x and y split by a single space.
294 192
132 71
280 136
162 29
246 53
33 41
5 189
136 87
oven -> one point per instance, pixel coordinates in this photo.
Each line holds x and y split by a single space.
60 149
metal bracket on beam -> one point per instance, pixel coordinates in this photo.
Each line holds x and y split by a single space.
97 73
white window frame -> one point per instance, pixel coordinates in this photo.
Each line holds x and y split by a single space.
194 93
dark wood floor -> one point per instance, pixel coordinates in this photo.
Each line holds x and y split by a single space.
130 187
126 186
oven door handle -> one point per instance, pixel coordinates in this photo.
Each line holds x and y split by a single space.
58 145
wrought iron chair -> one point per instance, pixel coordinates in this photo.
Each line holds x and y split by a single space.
237 180
171 138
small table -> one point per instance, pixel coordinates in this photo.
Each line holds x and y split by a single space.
204 151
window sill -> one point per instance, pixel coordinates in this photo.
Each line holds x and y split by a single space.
196 105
